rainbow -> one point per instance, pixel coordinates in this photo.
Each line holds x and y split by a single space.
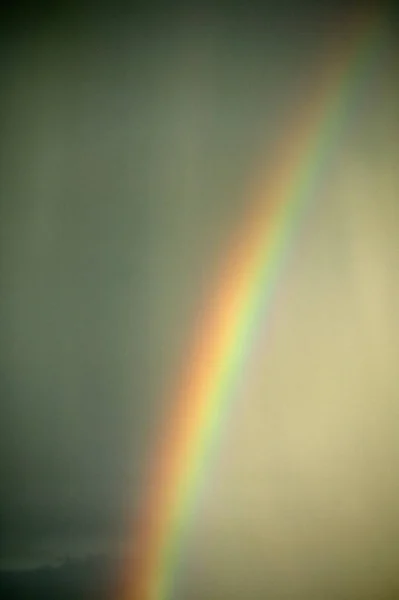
243 295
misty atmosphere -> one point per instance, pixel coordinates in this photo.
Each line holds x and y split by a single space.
130 142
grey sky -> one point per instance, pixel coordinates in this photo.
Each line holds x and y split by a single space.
127 149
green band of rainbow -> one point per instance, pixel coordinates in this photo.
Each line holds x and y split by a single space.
244 293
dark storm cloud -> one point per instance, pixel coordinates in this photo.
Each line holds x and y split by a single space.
117 193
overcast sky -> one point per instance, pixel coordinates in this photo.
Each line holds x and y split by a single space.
127 149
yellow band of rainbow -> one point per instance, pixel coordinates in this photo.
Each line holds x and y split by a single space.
243 295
